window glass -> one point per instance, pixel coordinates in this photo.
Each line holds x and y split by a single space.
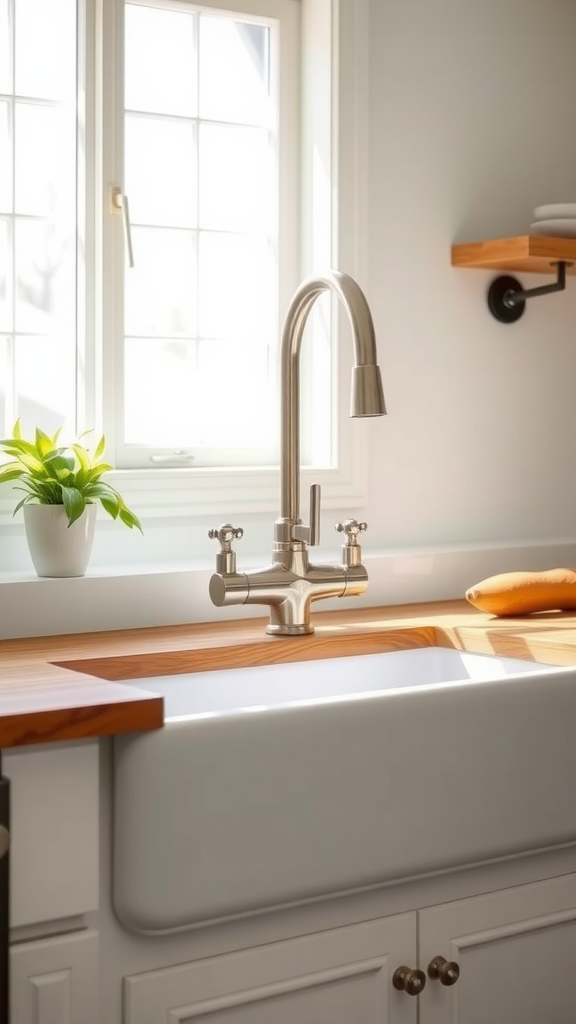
45 161
38 197
161 171
4 376
45 274
44 374
5 156
236 286
234 71
201 302
6 316
5 46
160 288
45 49
236 179
160 48
159 387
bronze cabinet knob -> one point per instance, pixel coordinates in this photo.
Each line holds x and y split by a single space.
408 981
445 971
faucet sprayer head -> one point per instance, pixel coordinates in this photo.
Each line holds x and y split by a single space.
367 395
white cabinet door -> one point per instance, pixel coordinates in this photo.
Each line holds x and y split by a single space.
517 955
335 977
54 831
55 981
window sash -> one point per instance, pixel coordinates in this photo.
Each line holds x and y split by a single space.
155 457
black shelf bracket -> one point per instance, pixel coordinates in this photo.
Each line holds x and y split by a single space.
507 298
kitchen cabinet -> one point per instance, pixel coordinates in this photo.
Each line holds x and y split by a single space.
516 950
517 954
331 962
336 976
55 981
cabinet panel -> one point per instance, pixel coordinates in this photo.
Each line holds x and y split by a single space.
54 833
517 955
55 981
331 978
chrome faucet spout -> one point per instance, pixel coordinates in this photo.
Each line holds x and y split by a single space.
290 584
367 395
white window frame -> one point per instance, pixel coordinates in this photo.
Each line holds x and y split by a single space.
282 16
334 55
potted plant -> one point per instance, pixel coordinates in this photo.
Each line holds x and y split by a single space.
63 485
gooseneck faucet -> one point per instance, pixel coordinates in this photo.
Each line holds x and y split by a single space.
290 584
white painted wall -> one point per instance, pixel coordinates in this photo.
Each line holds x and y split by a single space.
472 125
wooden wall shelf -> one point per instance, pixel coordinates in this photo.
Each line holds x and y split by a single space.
533 254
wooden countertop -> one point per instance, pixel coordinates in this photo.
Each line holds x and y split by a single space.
71 687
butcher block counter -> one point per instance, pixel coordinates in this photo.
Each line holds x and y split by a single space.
71 687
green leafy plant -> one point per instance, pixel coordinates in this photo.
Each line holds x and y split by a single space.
70 475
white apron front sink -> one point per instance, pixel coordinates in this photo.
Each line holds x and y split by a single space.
284 783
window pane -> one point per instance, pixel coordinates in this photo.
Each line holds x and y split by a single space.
5 49
236 291
161 287
5 378
160 61
45 382
236 178
161 171
203 203
45 160
158 391
5 161
45 51
234 71
45 278
6 323
38 210
235 379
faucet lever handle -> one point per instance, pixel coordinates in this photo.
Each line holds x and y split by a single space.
315 495
351 550
226 557
310 534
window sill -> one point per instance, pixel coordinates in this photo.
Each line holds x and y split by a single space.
176 593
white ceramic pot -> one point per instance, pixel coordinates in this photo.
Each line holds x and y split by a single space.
56 548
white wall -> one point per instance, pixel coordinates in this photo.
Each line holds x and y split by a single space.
472 125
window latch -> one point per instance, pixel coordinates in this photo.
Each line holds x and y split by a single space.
177 458
120 203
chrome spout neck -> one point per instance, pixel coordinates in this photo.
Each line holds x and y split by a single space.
367 398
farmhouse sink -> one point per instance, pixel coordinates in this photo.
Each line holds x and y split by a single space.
288 782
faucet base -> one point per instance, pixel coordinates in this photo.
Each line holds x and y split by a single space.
279 629
288 594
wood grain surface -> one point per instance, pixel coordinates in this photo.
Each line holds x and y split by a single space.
529 253
71 687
